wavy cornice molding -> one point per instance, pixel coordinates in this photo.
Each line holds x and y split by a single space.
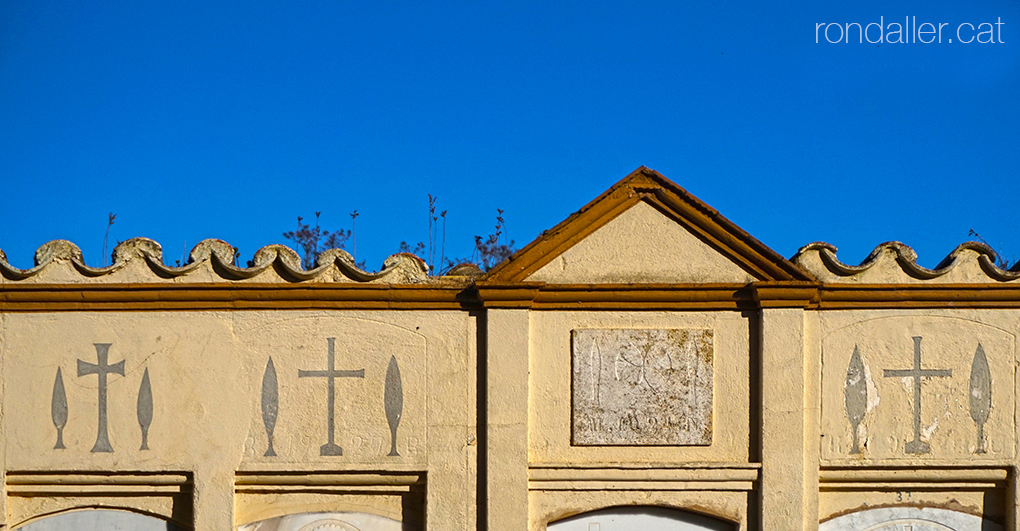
141 260
896 263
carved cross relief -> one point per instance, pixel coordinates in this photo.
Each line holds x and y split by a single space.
917 446
102 369
858 402
392 406
393 400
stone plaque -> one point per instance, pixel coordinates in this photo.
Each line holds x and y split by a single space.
642 387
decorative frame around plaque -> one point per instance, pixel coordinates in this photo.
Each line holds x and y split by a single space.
642 387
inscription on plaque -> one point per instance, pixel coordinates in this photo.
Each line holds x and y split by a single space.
642 387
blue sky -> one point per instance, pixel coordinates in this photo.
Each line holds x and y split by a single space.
222 119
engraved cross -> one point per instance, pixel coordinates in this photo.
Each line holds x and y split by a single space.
331 374
101 369
917 446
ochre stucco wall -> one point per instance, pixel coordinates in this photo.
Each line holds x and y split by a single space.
484 405
206 371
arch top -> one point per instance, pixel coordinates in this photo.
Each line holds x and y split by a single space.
644 517
918 518
99 519
326 521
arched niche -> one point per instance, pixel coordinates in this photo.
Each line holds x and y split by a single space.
337 521
644 518
914 518
95 519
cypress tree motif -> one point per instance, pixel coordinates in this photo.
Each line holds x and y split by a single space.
58 409
855 396
980 395
270 404
145 408
394 402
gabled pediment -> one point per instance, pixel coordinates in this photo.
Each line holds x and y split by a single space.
646 230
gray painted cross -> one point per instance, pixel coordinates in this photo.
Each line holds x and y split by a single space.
917 446
101 369
330 374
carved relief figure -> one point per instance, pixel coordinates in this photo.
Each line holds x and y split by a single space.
58 409
917 446
270 404
145 409
101 369
394 402
331 374
855 396
980 395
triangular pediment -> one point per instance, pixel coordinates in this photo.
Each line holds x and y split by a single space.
646 230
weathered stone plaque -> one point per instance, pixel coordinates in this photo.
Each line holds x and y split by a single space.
642 387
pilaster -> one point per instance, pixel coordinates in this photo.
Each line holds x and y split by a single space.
506 407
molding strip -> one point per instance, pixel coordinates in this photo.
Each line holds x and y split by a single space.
522 295
733 478
27 484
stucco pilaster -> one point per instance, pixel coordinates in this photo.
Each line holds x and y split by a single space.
789 465
506 406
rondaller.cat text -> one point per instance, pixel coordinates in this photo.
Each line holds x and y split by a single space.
910 32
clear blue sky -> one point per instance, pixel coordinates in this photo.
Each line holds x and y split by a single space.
223 119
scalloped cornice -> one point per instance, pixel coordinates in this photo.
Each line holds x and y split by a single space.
141 260
896 263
